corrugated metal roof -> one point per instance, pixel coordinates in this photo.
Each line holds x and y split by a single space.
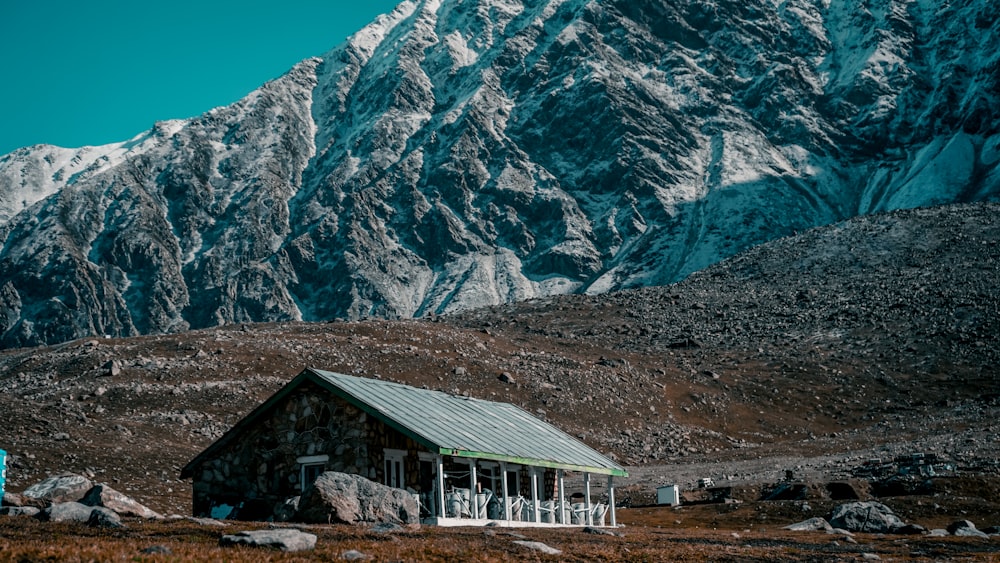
466 427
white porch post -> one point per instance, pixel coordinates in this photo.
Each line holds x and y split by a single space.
439 461
611 500
534 494
561 497
589 520
473 501
503 485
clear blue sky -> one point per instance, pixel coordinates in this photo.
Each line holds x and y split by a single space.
76 73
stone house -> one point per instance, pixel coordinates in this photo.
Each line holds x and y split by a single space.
466 460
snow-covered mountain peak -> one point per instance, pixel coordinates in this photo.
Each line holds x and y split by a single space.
461 153
31 174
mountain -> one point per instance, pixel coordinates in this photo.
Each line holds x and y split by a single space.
455 154
871 338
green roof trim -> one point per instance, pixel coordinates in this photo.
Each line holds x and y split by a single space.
446 424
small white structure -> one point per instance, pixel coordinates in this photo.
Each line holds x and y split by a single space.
668 494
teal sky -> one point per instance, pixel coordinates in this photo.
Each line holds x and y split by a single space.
76 73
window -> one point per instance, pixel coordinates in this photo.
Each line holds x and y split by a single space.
393 468
491 477
489 472
311 468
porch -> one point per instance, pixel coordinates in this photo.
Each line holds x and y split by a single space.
482 492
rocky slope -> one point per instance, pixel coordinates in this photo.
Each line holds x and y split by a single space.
762 363
460 154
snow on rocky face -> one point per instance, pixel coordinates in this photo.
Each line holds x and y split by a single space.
455 154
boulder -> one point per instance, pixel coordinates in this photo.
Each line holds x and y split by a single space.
12 499
598 531
103 495
966 528
960 524
351 499
206 521
67 487
285 539
19 511
992 530
870 517
285 511
385 528
811 525
101 517
66 512
112 368
539 546
911 530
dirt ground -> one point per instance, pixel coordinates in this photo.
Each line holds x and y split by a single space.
649 534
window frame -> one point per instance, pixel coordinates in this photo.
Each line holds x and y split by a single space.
310 461
398 457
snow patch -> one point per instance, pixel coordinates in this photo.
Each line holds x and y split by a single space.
461 55
939 174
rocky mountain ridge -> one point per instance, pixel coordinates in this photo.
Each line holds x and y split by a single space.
896 354
454 155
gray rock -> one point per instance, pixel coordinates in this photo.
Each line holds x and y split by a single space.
966 528
351 499
971 533
19 511
285 511
101 517
386 528
354 555
911 530
870 517
811 525
66 512
67 487
598 531
158 550
285 539
959 525
12 499
539 546
207 522
938 533
103 495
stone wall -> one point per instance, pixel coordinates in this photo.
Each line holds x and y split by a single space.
259 469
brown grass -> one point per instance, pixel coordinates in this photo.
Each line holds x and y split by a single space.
25 539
